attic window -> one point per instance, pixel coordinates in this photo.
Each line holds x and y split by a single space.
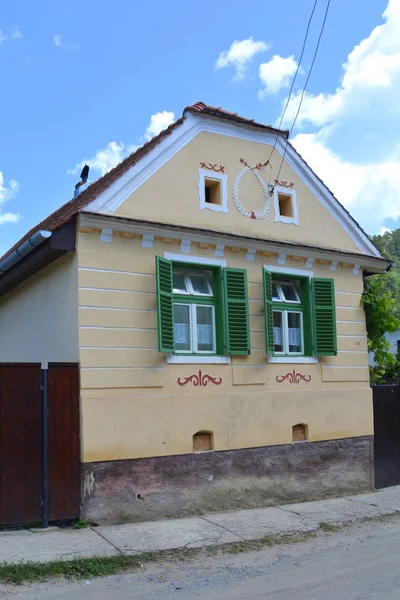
213 193
285 206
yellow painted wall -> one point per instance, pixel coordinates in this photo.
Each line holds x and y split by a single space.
171 195
132 405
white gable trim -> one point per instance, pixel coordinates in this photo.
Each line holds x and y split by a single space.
112 198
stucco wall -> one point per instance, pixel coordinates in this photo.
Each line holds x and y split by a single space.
39 318
132 405
171 195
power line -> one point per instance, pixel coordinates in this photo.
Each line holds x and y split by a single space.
305 85
295 75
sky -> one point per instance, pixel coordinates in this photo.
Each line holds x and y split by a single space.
91 81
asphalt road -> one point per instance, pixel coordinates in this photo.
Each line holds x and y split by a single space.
359 563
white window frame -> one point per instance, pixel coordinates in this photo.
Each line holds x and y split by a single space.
293 359
182 359
281 218
189 286
223 179
193 330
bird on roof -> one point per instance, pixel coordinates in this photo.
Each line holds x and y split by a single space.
84 178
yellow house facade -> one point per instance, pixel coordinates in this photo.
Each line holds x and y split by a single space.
213 302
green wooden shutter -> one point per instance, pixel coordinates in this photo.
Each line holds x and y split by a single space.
269 317
236 311
165 305
324 317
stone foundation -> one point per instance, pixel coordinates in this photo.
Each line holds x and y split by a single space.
145 489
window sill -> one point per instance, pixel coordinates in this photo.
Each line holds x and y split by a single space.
293 360
198 360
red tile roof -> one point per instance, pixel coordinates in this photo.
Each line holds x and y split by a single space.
63 214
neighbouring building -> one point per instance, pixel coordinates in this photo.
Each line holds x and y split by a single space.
209 287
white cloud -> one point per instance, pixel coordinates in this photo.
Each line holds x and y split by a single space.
104 160
240 54
58 41
6 193
9 218
372 68
158 122
371 191
354 143
276 74
113 153
14 34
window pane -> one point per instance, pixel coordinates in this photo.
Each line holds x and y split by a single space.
179 283
290 292
294 330
275 293
205 328
182 327
200 283
278 332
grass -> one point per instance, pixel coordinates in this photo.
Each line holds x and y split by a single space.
78 568
103 566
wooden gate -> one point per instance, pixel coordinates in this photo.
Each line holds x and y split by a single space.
387 435
20 443
39 448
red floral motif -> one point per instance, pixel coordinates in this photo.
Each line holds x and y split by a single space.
257 166
199 379
286 184
212 167
293 377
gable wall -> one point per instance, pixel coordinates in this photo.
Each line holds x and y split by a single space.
132 404
172 195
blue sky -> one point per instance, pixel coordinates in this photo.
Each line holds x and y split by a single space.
93 80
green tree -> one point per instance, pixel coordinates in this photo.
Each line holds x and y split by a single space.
381 300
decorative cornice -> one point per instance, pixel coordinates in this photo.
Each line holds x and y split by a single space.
106 234
221 240
185 246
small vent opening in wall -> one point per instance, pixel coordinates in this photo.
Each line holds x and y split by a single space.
300 432
202 441
285 205
212 191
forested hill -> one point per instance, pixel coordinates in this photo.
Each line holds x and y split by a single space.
389 243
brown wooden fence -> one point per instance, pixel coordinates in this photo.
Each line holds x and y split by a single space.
24 435
387 435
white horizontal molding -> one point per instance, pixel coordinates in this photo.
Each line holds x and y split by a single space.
198 360
288 360
289 271
221 240
201 260
111 327
345 367
142 310
94 289
116 271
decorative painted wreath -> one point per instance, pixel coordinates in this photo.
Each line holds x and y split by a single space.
260 214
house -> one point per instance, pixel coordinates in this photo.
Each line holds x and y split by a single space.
209 287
